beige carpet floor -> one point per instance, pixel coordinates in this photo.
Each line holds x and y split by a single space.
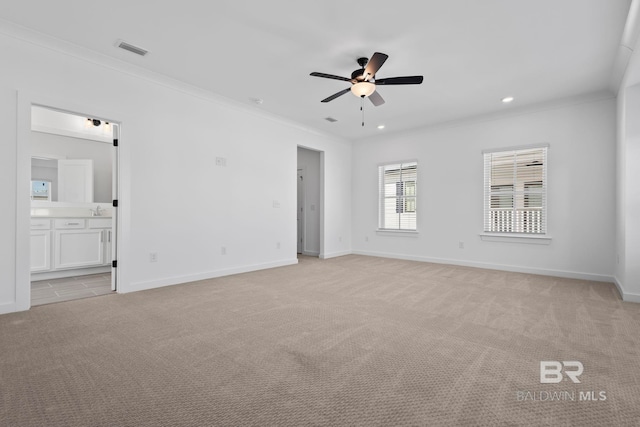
342 342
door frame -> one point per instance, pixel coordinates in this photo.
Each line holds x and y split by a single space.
302 221
25 100
321 202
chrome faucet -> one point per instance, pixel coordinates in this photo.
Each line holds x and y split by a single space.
97 212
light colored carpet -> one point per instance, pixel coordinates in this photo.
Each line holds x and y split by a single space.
348 341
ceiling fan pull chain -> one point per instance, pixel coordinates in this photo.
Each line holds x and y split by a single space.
362 108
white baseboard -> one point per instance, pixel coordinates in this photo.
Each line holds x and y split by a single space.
334 254
491 266
9 307
176 280
626 296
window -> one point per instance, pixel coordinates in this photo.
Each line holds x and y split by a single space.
397 187
515 192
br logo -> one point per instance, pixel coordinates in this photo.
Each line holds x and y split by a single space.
551 371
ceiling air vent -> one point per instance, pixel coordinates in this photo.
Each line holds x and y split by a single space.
131 48
330 119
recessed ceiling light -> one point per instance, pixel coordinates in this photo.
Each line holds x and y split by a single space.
380 126
507 99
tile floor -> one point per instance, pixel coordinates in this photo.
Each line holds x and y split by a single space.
70 288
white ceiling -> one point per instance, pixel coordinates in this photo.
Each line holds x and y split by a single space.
472 53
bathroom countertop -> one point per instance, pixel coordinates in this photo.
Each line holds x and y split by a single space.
72 212
71 216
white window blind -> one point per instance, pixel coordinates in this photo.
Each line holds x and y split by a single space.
397 196
515 191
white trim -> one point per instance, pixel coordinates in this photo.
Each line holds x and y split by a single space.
177 280
334 254
626 296
490 266
9 307
399 162
515 148
531 239
397 233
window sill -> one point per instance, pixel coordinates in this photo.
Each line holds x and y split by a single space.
516 238
401 233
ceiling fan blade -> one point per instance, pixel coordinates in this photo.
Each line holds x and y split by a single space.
330 76
406 80
376 99
374 65
335 95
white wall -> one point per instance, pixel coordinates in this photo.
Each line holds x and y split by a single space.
581 166
173 199
309 162
43 144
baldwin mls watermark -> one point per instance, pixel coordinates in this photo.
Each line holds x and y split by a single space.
554 372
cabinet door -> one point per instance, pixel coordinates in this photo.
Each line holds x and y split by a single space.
75 180
40 251
107 246
78 248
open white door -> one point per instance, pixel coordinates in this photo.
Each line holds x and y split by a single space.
300 211
114 218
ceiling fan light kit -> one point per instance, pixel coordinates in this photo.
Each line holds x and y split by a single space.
363 82
363 89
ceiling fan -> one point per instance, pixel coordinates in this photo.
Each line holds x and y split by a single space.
363 81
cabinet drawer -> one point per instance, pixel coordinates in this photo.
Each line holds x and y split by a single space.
99 223
40 224
69 223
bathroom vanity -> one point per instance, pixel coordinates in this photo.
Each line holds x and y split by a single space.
70 242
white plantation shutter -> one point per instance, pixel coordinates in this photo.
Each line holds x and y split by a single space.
397 196
515 191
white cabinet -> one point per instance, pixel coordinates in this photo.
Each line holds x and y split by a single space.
105 225
78 248
40 245
77 243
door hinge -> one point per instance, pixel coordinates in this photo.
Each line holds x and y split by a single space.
115 203
115 142
114 264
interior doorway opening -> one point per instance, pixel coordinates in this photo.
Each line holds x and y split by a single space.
74 183
309 202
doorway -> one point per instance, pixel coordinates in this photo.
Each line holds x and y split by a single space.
73 229
309 202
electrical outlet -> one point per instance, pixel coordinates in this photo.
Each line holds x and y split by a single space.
461 245
223 250
153 256
276 204
221 161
